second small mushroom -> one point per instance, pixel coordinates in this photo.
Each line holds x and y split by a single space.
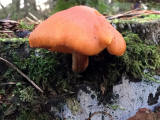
81 31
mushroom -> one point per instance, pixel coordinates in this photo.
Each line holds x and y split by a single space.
81 31
118 44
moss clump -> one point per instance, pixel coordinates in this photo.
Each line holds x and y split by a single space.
139 56
38 64
12 40
33 115
140 19
26 26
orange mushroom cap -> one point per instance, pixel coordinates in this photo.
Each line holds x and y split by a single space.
80 28
118 44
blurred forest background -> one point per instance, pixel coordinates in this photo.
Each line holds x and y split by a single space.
18 9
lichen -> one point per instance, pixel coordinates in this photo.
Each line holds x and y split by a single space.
73 105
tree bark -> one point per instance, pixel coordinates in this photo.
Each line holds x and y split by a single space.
16 5
29 5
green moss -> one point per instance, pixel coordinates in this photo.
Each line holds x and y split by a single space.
13 40
26 26
139 56
141 19
26 94
32 115
38 65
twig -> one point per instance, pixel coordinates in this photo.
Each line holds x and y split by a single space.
121 14
8 21
34 17
9 83
29 19
100 112
21 73
32 21
5 31
133 13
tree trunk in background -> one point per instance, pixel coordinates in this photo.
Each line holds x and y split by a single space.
3 8
32 5
15 9
29 5
16 5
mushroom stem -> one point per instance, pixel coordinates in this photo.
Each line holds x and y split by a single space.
79 62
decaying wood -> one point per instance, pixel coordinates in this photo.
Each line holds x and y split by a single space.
11 25
30 20
21 73
33 16
5 31
8 25
33 19
9 83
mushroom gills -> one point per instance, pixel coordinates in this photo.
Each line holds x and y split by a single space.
79 62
